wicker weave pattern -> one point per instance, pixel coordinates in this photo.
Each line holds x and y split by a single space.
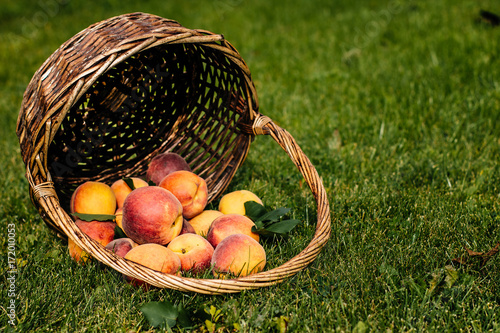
112 97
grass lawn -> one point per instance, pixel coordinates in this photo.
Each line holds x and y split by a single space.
396 103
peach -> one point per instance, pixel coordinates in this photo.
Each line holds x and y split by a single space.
121 246
234 202
163 164
93 198
187 228
152 214
121 189
230 224
102 232
153 256
119 217
202 222
190 189
238 254
194 251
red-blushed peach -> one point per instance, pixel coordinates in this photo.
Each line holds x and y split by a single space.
93 198
238 254
187 228
230 224
152 214
234 202
194 251
121 189
153 256
163 164
202 222
102 232
121 246
190 189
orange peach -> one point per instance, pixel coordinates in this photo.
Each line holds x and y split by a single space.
119 217
190 189
238 254
202 222
93 198
163 164
153 256
102 232
152 214
194 251
121 246
230 224
234 202
121 189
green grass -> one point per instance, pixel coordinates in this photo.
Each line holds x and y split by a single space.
397 105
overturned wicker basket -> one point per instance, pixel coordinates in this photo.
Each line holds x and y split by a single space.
123 90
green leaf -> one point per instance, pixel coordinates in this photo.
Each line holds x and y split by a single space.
183 319
282 227
151 183
94 217
274 215
119 233
254 210
129 182
160 314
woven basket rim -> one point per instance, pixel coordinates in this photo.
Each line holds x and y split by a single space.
42 191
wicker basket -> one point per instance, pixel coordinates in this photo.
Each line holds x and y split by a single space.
123 90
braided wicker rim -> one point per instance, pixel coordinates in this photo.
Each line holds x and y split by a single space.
218 94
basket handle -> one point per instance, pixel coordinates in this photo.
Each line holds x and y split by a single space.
263 125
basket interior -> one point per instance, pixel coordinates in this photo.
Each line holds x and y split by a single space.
186 98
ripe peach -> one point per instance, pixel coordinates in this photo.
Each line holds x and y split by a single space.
152 214
93 198
238 254
119 217
234 202
121 246
202 222
121 189
194 251
102 232
190 189
230 224
153 256
163 164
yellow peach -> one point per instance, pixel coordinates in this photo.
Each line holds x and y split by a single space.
202 222
234 202
93 198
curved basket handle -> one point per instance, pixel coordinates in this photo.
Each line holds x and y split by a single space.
263 125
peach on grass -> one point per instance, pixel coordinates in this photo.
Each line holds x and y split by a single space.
121 246
230 224
194 251
163 164
190 189
152 214
238 254
153 256
93 198
234 202
121 189
102 232
202 222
